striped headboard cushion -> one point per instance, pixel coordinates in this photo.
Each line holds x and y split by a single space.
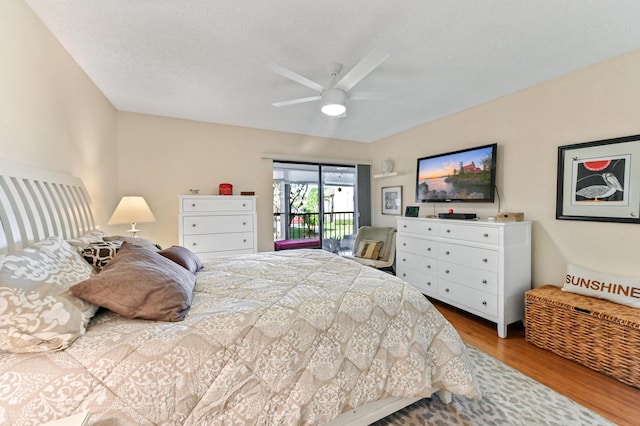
37 203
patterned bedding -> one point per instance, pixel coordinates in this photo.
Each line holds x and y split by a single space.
293 337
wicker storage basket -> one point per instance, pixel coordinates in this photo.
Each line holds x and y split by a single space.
599 334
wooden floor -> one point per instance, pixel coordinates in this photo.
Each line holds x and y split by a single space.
600 393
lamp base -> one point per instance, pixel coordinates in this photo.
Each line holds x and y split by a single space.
133 231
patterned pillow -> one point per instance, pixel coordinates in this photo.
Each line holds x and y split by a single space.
100 253
37 312
369 249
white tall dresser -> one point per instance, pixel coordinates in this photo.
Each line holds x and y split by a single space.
481 267
218 225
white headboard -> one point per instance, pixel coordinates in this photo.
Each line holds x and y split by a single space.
37 203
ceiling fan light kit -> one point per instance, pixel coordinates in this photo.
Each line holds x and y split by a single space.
333 102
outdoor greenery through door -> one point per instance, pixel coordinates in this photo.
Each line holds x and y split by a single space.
300 219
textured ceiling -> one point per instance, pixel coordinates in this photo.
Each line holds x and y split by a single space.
209 60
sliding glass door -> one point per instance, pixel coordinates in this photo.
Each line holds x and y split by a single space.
339 222
314 206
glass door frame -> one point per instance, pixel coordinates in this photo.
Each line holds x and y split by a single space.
322 182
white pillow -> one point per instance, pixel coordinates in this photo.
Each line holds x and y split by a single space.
93 236
615 288
37 311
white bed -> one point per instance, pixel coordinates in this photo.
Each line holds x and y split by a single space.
298 337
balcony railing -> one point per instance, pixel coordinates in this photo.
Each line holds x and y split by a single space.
295 226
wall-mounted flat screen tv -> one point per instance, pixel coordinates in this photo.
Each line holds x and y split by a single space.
468 175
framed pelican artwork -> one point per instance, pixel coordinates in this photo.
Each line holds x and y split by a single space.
600 180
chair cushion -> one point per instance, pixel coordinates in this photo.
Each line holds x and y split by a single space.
375 233
369 249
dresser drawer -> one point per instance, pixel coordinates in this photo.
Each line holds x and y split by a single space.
424 264
476 300
417 245
221 204
219 242
193 225
418 227
426 283
478 234
470 277
471 256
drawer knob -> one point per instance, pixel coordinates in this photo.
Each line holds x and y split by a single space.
193 224
429 229
428 248
446 271
485 260
404 244
486 235
484 281
428 266
244 241
404 275
404 260
447 290
484 302
448 231
446 252
404 226
193 205
429 283
194 244
244 205
244 223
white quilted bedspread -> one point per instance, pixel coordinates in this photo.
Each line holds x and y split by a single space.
293 337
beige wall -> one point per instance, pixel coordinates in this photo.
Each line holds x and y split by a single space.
51 114
596 103
161 158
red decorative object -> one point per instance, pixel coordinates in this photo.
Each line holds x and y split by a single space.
225 189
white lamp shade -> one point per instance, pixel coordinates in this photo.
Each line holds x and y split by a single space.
131 209
333 102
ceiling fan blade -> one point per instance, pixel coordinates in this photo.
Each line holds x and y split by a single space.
362 69
296 101
287 73
365 96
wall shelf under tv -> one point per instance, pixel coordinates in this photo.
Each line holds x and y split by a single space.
384 175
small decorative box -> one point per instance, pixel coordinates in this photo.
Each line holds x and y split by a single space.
225 189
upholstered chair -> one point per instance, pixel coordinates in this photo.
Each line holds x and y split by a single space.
375 247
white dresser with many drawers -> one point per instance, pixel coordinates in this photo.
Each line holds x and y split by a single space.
479 266
218 225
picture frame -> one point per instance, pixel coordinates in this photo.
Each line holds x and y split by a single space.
392 200
599 181
411 211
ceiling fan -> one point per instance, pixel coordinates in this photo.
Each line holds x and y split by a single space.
335 94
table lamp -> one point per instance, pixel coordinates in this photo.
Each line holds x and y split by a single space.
133 210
